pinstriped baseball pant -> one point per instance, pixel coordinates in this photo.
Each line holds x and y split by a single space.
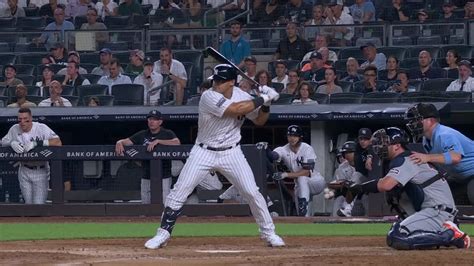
34 184
233 165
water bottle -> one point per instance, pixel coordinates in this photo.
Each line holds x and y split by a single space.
7 197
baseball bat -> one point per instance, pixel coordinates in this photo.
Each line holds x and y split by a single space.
222 59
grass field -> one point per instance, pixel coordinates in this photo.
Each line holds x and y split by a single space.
42 231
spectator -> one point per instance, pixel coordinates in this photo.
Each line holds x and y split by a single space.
425 71
422 16
106 8
73 56
136 62
297 11
78 8
47 60
469 10
397 12
51 35
293 47
370 81
13 10
267 13
305 91
20 94
330 87
341 35
46 78
452 60
9 74
55 99
293 81
72 77
58 53
194 11
37 3
320 41
280 71
372 57
105 56
47 10
129 8
236 48
171 15
448 11
317 71
149 79
362 11
114 77
92 24
93 102
401 85
352 74
324 51
174 70
390 74
465 82
263 78
250 63
317 16
246 86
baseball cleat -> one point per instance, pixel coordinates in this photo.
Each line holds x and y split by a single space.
343 212
460 239
273 240
159 240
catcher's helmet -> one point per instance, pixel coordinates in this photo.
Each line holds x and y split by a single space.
416 114
224 72
384 137
294 130
348 146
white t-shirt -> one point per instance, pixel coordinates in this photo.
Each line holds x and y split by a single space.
215 129
155 81
305 154
456 85
101 9
48 102
38 130
284 81
177 69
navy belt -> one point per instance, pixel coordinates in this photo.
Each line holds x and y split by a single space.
447 209
204 146
32 167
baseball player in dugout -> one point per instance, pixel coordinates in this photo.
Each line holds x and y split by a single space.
418 192
22 138
446 146
300 159
151 137
222 111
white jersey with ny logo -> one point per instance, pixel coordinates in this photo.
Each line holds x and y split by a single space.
38 131
215 129
293 160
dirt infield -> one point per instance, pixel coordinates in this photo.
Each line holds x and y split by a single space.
219 251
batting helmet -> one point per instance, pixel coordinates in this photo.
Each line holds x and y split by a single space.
224 72
384 137
348 146
294 130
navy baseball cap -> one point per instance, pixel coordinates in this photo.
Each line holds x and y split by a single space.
365 133
105 50
316 55
427 110
154 114
369 44
148 62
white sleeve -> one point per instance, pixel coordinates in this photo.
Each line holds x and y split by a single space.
451 86
181 71
9 137
47 133
280 151
309 154
214 103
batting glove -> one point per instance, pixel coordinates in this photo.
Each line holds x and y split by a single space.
261 145
270 92
30 145
17 146
279 176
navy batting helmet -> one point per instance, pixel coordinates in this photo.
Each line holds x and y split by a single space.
348 146
384 137
294 130
224 72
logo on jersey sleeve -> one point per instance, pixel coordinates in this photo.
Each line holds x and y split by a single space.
449 148
394 171
220 102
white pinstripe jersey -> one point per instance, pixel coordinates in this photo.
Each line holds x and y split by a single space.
215 129
293 160
38 130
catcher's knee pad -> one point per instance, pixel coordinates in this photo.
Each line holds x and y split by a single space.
417 239
169 218
302 206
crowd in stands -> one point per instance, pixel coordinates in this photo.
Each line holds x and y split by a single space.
303 65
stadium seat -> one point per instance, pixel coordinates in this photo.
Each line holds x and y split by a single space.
4 48
464 51
375 40
3 91
93 89
456 39
197 59
452 73
436 84
7 23
34 98
28 80
189 67
73 99
409 63
256 43
321 98
414 51
381 97
79 20
345 85
93 78
130 75
30 23
31 11
31 90
25 69
402 41
59 78
193 100
67 91
128 94
351 52
88 67
31 58
429 40
28 47
104 100
284 99
123 58
146 9
459 96
90 58
278 86
346 97
398 52
415 83
117 22
6 59
3 101
116 46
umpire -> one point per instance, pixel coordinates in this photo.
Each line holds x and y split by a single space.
420 194
445 145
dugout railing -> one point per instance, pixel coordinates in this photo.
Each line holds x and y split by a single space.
57 156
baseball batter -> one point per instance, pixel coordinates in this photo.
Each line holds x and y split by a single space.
300 159
422 193
222 111
23 137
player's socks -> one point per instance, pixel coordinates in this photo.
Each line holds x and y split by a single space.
169 218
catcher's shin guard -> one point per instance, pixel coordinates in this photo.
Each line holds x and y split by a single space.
417 239
168 219
302 206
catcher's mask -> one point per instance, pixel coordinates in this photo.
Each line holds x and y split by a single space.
415 115
384 137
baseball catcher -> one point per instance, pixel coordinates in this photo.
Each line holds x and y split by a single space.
420 191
